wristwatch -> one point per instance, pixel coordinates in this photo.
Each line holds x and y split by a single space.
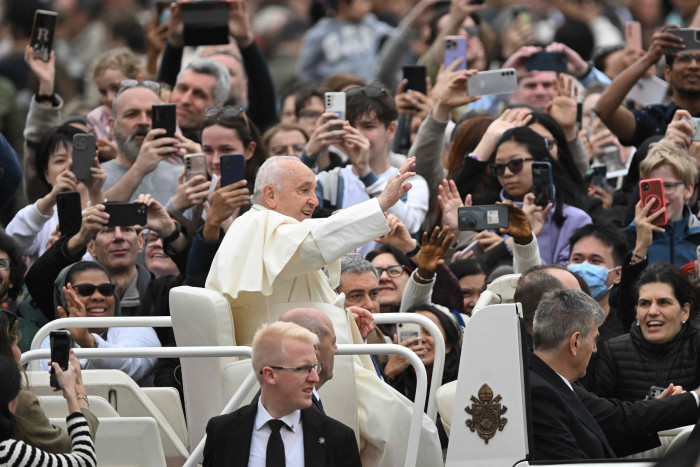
47 98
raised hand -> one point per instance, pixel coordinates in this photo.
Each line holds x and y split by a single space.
518 224
510 118
190 193
644 226
325 134
363 318
563 106
395 187
433 249
44 71
450 202
535 214
398 235
224 203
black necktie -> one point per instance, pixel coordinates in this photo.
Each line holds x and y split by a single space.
275 446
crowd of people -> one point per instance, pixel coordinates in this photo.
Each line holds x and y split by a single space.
361 200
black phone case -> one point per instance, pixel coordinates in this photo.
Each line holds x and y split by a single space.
61 343
542 186
126 214
232 168
547 61
69 210
84 147
205 23
491 217
42 34
415 75
163 116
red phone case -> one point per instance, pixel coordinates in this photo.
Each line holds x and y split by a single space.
654 188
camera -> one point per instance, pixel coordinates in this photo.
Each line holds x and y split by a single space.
645 186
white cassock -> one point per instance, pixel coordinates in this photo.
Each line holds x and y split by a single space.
269 263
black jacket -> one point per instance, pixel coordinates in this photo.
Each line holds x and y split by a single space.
629 365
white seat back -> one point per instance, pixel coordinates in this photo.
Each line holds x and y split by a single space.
500 290
167 400
133 441
126 397
56 407
491 355
203 317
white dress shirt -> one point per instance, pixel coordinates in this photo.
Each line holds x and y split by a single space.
293 439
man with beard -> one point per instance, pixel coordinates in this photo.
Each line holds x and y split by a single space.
140 166
682 71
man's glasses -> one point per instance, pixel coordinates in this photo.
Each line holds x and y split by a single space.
687 58
86 290
301 370
514 165
4 264
134 83
309 114
226 115
670 187
369 91
286 150
393 271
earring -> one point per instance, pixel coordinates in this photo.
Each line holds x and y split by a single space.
682 322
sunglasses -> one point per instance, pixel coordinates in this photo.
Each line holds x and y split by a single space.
687 58
134 83
227 115
514 165
369 91
86 290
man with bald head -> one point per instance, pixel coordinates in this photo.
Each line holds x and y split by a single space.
271 261
278 428
140 166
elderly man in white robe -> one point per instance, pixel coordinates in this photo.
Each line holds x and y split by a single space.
271 261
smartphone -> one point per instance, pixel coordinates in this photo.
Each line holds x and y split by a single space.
611 158
648 91
408 330
691 37
542 183
695 123
205 23
415 76
503 81
335 103
474 247
232 168
163 116
126 214
61 343
163 12
599 176
547 61
84 151
653 188
456 48
195 164
70 216
655 391
42 34
488 217
633 35
212 185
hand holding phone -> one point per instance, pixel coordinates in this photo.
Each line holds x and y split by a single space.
653 189
456 49
232 168
542 183
489 217
126 214
633 35
503 81
407 331
84 151
61 342
42 34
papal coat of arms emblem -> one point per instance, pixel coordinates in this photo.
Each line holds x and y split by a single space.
486 414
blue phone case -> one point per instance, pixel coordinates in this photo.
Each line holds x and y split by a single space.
232 167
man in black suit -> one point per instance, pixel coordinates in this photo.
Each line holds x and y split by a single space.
630 427
564 332
280 423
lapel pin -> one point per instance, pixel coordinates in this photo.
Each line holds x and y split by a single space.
322 441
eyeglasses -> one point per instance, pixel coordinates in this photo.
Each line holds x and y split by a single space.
284 150
4 264
86 290
302 370
687 58
226 115
151 236
134 83
514 165
369 91
11 318
392 271
670 187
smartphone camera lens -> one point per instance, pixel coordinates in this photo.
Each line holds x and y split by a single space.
645 186
450 45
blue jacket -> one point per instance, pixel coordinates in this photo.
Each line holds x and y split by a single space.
677 245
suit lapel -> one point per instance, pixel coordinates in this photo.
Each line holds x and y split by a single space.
242 433
572 399
315 442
